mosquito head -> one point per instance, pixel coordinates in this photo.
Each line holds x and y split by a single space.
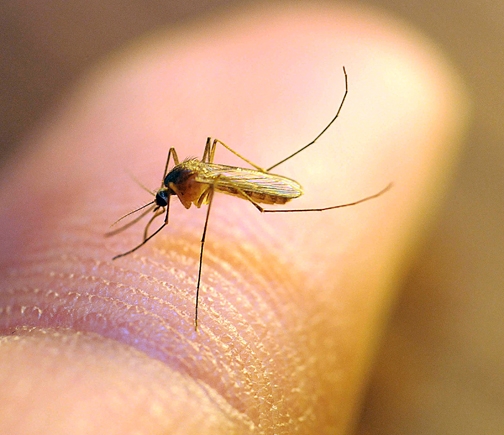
162 196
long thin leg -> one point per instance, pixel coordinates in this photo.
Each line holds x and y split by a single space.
211 154
322 132
146 239
154 216
203 237
208 155
141 244
263 210
173 153
367 198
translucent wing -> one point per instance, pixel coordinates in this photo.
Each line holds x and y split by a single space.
261 186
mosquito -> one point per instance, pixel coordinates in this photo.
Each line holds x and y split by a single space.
196 181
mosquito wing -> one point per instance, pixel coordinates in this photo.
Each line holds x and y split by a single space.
262 187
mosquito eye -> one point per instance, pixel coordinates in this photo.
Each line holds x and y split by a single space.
162 197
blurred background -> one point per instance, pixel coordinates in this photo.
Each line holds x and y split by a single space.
441 367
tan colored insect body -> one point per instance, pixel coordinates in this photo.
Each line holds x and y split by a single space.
191 179
195 181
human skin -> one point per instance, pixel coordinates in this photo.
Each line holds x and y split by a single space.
292 304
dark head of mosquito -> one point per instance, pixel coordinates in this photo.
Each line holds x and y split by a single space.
162 197
177 176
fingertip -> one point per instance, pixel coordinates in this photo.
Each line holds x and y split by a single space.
63 381
290 304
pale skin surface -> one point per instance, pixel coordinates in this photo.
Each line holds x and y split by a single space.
291 304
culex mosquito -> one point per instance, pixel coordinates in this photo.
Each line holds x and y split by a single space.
195 181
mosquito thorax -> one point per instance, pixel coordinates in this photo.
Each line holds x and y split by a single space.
182 172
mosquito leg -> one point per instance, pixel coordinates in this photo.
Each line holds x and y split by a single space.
146 239
249 199
210 150
263 210
217 141
208 154
367 198
203 237
156 214
141 244
322 132
173 153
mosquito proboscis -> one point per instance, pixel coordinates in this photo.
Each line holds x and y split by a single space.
196 181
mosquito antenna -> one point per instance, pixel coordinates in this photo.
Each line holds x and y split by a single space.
134 221
135 179
146 239
323 131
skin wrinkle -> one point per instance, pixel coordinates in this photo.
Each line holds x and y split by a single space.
270 363
128 303
243 259
77 322
77 342
278 351
260 374
249 296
